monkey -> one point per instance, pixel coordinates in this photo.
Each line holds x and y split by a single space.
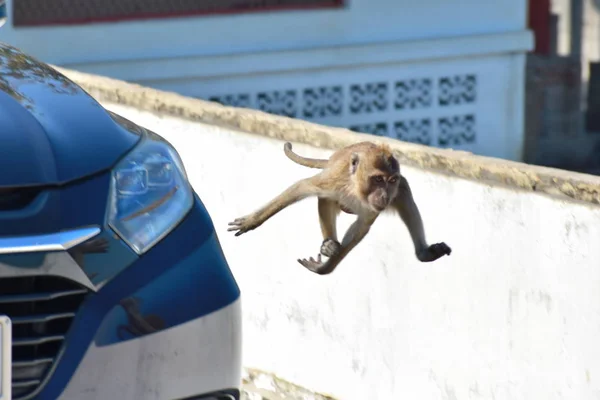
361 179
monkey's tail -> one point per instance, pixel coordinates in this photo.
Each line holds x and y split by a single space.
307 162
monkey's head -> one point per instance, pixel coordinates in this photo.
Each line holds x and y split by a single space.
377 176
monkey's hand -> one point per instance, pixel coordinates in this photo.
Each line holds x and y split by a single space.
312 264
242 225
434 252
330 247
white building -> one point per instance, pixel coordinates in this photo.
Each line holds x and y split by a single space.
444 73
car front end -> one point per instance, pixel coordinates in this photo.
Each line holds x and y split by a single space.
111 272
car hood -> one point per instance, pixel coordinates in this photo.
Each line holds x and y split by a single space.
51 130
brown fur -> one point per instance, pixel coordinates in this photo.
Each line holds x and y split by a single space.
362 179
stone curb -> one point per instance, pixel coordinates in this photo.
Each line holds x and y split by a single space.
260 385
577 186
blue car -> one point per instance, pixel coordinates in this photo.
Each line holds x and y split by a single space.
113 284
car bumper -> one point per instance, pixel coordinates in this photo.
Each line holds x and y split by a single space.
166 325
198 357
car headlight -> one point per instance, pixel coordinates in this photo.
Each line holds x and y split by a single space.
149 194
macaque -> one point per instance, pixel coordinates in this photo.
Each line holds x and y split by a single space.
362 179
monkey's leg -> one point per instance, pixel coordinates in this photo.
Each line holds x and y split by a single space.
409 212
355 233
328 212
293 194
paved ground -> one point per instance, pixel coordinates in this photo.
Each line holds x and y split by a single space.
262 386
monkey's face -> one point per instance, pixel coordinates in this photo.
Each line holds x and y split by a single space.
383 188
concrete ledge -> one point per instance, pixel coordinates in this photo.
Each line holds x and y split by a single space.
260 385
577 186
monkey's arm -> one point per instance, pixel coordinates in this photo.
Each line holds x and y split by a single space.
406 207
355 233
296 192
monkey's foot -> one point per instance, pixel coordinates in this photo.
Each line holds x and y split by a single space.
434 252
241 225
312 265
330 247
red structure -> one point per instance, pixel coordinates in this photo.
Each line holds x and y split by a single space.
539 23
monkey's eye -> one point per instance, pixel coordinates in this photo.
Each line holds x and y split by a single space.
393 180
379 179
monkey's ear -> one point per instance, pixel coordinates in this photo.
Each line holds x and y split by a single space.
353 163
393 163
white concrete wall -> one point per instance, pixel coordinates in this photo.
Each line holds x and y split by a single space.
512 314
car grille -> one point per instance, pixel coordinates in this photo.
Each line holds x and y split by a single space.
42 309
